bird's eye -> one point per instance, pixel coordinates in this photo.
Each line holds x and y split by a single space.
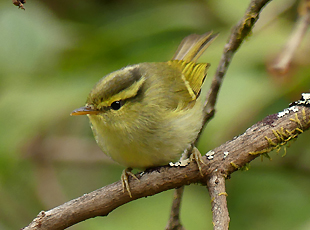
116 105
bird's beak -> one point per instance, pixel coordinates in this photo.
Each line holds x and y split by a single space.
84 111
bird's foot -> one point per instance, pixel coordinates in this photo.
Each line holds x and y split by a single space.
125 180
196 156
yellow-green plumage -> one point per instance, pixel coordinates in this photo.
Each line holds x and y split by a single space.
158 111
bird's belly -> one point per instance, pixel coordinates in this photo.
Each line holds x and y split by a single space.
136 155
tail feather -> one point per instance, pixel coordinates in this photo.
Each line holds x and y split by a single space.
193 46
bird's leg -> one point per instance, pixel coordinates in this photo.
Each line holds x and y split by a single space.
125 180
196 156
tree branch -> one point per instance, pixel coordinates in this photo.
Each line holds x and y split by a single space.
217 191
19 3
238 34
174 222
271 133
283 60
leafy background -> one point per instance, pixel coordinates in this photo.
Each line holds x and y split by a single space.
53 53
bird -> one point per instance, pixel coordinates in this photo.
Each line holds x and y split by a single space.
145 115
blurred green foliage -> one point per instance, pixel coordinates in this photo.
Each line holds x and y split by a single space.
52 54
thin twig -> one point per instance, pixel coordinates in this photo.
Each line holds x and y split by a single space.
19 3
216 187
271 133
174 220
283 60
238 34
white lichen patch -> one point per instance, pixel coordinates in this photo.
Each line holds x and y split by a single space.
226 154
288 110
306 96
304 101
210 155
182 162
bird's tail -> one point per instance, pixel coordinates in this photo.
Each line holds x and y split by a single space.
193 46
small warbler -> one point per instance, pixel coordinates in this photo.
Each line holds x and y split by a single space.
147 114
